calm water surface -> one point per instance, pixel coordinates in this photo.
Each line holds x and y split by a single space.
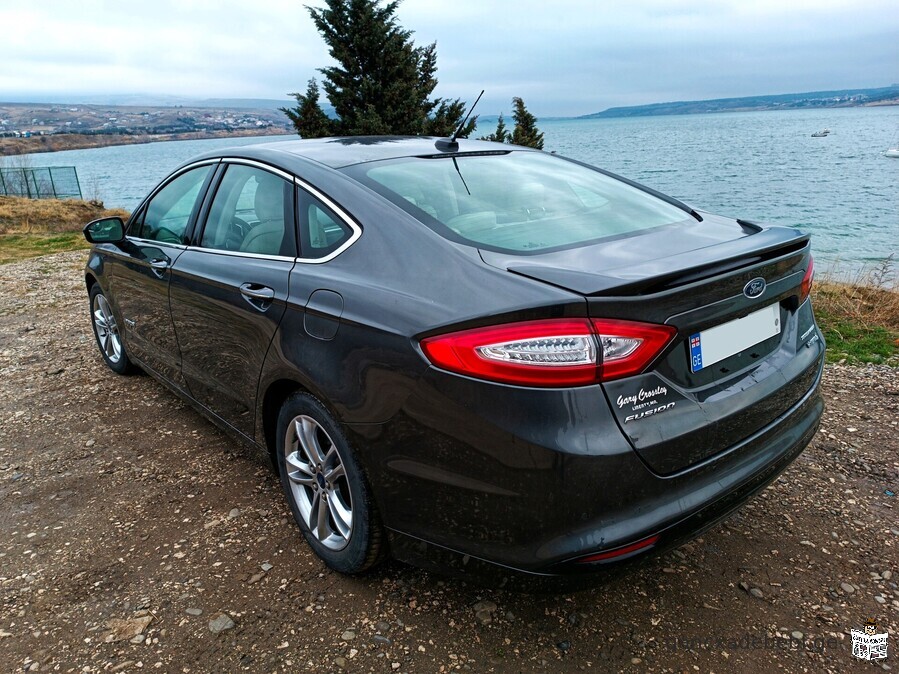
763 166
757 165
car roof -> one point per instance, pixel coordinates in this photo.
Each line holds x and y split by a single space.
344 151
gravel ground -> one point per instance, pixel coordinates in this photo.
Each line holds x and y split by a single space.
135 536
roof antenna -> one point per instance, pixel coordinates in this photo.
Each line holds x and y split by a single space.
450 144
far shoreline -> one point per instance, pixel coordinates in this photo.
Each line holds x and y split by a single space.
11 147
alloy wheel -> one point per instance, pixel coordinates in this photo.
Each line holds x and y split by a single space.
318 482
107 329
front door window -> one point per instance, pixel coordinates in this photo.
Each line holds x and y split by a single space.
166 217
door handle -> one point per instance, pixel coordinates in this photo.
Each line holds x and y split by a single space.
159 265
257 292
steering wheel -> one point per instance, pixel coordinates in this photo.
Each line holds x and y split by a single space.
236 233
167 236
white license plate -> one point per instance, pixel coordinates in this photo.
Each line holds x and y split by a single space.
715 344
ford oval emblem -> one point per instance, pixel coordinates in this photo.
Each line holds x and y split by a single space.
755 288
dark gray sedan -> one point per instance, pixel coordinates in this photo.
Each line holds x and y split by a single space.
468 354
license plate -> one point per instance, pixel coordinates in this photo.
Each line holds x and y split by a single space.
715 344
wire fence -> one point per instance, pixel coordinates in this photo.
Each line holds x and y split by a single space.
50 182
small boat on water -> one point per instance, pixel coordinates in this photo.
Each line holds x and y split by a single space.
821 134
893 148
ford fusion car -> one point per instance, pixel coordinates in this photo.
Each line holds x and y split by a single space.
465 350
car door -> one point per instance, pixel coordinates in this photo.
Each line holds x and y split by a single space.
229 288
156 238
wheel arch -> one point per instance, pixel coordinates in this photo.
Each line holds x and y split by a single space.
272 401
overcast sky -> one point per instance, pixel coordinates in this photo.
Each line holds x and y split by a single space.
564 57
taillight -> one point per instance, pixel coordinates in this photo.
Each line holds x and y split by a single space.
806 287
628 347
550 353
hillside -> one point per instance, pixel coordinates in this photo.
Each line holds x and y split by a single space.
48 127
844 98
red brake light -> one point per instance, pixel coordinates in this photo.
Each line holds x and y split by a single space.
550 353
806 288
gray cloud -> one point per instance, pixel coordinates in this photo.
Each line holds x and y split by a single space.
567 57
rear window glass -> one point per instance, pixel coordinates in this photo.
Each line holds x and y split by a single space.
516 202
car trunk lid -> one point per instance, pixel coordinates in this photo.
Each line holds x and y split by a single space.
692 276
648 261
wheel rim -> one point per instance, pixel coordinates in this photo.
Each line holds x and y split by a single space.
107 329
318 482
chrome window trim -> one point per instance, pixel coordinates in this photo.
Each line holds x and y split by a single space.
258 164
137 239
302 184
169 178
237 253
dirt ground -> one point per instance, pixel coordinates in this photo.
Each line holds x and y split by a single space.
134 536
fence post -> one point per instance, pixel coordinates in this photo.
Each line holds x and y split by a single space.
52 184
78 183
33 188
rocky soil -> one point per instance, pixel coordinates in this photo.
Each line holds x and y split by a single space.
134 536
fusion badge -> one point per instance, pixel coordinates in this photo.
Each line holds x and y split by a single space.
654 410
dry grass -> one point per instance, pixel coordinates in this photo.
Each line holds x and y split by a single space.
859 313
33 227
868 296
19 215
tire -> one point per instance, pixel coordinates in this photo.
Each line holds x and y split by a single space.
326 488
106 332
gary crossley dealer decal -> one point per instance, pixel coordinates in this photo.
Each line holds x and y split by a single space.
645 403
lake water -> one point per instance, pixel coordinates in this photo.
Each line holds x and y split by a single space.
761 166
764 166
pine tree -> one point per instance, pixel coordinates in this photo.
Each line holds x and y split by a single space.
308 118
382 82
525 132
500 135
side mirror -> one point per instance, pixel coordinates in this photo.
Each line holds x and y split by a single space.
105 230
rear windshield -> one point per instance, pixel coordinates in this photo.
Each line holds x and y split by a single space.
517 202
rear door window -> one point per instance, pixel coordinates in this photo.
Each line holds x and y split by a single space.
252 212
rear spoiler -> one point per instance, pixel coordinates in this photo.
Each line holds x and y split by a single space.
677 270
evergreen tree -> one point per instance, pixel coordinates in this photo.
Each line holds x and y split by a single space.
308 118
525 132
382 82
500 135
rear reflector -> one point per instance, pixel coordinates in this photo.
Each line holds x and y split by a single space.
618 553
550 353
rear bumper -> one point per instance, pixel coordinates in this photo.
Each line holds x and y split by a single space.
465 486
